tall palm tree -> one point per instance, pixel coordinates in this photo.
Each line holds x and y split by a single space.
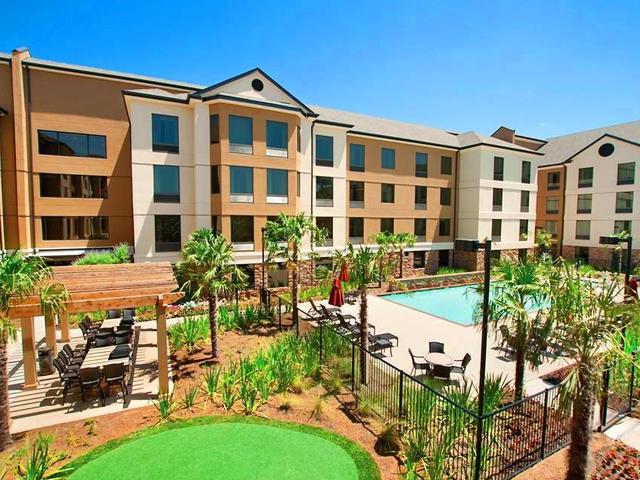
20 277
283 242
207 270
590 318
517 288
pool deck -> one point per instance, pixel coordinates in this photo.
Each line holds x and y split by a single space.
416 329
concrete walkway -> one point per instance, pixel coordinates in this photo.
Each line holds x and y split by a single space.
627 431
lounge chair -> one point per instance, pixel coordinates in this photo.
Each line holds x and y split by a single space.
379 342
418 363
315 312
441 372
436 347
506 337
460 366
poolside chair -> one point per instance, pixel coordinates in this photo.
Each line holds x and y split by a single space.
506 337
90 379
87 333
418 363
460 366
315 312
441 372
114 375
378 343
67 378
114 313
128 313
436 347
346 328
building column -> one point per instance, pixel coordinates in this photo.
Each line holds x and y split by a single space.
64 327
29 354
163 356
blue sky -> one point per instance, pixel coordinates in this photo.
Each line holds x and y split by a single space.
545 68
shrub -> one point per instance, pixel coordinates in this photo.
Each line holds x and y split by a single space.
119 254
317 411
40 462
190 398
165 406
210 379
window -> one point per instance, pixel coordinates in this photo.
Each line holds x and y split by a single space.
624 202
324 150
418 259
421 198
584 203
444 227
388 158
326 223
526 172
387 193
356 194
298 183
496 229
72 186
356 157
585 177
626 173
420 229
168 236
498 168
298 138
553 181
242 232
356 230
524 229
620 226
324 191
240 134
164 132
551 226
497 199
277 139
216 224
277 185
386 225
583 229
553 205
250 272
75 228
166 184
524 201
214 128
215 179
422 165
445 196
71 144
241 184
445 165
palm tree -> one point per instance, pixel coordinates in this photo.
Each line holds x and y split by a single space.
590 319
544 241
207 270
283 242
20 277
517 288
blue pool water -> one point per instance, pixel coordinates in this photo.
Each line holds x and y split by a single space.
452 303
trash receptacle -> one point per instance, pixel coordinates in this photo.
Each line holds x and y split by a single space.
45 360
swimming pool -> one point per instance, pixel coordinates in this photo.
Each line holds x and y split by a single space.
451 303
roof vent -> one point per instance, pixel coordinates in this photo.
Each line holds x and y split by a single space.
606 149
257 84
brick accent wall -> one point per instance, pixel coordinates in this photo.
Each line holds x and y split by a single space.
600 257
306 274
437 281
471 261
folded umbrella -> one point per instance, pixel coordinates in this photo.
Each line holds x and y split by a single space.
344 274
336 298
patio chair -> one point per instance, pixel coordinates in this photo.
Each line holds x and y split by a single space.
441 372
67 378
123 337
66 362
114 313
315 312
436 347
378 343
461 365
114 375
128 313
124 324
104 339
87 333
506 338
418 363
90 379
89 324
73 357
346 328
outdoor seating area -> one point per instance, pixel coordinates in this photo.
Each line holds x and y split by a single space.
437 364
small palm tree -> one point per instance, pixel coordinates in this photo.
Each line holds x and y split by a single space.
590 320
283 242
20 277
544 241
517 288
209 273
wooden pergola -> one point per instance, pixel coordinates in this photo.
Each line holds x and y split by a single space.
100 287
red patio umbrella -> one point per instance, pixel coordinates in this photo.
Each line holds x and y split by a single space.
336 298
344 274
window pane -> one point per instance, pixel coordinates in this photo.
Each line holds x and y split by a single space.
277 182
585 177
326 223
420 227
496 229
166 184
418 260
553 205
47 142
214 128
215 179
72 186
386 225
498 168
240 130
388 158
356 157
421 195
164 133
324 188
356 191
497 199
324 150
277 135
626 173
167 233
445 196
97 146
526 172
584 203
216 224
551 226
624 202
445 165
620 226
75 228
422 161
241 180
524 201
444 227
524 228
553 181
242 229
387 193
583 229
356 228
73 144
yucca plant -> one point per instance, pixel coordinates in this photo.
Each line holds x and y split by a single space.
190 398
40 462
210 380
165 406
228 382
248 394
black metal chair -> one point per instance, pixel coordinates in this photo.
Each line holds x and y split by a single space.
66 362
128 313
316 312
76 355
67 378
114 375
441 372
418 363
69 356
114 313
104 339
436 347
90 379
378 343
461 365
122 337
88 334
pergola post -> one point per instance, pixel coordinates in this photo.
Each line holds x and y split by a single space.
163 357
50 333
29 354
64 327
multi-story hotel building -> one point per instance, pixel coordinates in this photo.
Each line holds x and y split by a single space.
92 158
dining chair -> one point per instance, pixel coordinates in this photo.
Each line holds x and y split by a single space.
436 347
67 377
460 366
441 372
114 375
123 337
418 363
104 339
90 379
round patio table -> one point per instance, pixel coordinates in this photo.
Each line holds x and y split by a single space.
439 359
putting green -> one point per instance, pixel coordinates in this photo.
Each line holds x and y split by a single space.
228 448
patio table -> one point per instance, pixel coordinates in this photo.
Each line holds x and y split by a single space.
439 359
99 357
110 323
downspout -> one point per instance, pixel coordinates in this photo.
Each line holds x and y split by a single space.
30 158
313 124
564 209
455 207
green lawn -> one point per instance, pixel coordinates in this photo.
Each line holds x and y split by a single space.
228 448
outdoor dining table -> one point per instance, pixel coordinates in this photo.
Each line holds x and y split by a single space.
439 359
110 323
99 357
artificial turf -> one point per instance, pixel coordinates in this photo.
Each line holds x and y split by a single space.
230 448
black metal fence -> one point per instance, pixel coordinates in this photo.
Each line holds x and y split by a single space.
621 391
514 437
